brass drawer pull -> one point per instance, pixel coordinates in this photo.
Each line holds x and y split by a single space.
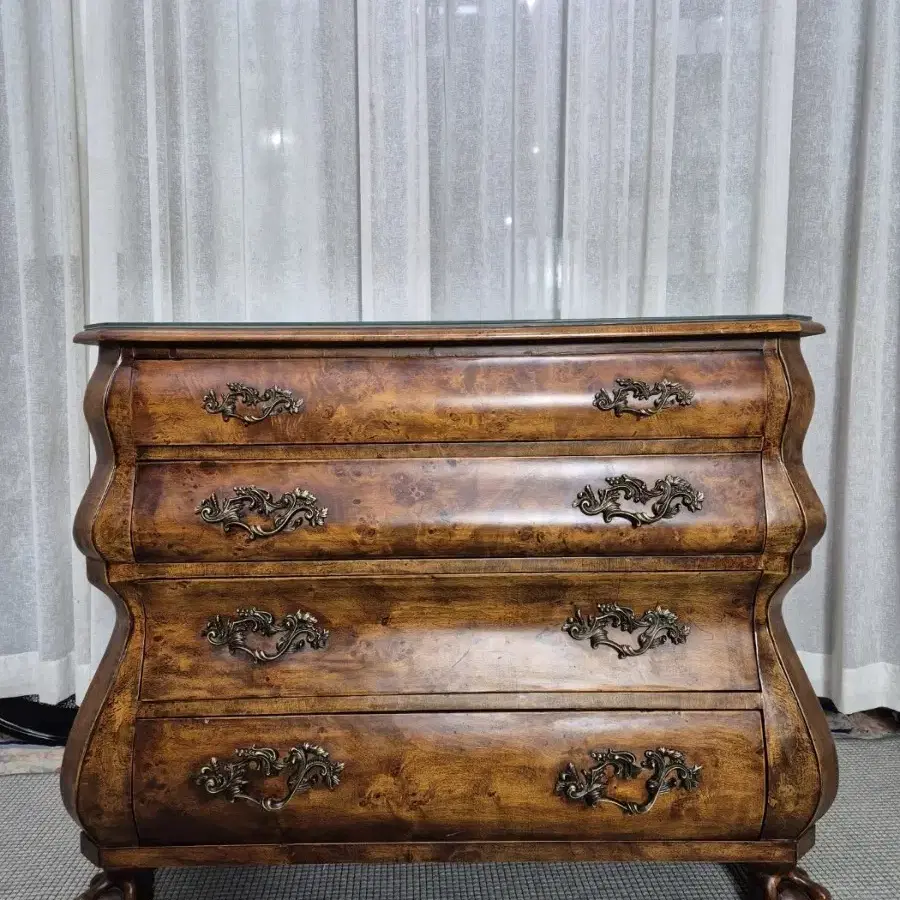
662 395
287 514
273 401
668 771
660 625
306 767
669 495
298 631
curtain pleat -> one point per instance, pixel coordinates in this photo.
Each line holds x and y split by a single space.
44 441
393 160
452 159
843 266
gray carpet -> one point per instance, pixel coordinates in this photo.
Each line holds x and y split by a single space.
857 856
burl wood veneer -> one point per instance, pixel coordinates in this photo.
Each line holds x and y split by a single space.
463 592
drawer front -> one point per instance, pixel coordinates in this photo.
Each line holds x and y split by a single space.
451 776
282 637
388 399
340 509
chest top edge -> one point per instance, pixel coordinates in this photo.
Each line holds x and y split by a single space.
522 332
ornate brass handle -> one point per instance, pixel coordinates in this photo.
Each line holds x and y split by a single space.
668 771
662 395
669 495
299 630
660 625
271 402
307 766
287 513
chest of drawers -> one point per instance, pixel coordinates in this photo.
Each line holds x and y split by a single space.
462 592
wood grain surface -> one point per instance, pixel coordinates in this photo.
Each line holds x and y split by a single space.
225 333
448 634
390 399
456 776
447 507
753 851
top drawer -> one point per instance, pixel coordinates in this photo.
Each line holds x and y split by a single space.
384 399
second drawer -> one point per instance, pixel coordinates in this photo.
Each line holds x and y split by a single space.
213 638
448 506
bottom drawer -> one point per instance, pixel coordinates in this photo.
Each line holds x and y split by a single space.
450 777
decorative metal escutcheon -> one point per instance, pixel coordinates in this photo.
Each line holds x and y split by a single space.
273 401
669 496
306 767
668 772
638 398
287 513
659 626
297 631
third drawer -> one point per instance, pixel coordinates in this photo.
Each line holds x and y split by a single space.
423 634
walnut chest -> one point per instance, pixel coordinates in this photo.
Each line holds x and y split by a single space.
449 592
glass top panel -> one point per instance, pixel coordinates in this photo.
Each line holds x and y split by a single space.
438 323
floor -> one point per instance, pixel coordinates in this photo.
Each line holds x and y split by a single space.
28 759
857 856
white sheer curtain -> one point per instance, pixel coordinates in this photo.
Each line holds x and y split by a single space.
44 598
414 159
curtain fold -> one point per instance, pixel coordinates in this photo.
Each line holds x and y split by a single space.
844 268
45 604
439 159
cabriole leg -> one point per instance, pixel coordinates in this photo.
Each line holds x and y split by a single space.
782 884
120 884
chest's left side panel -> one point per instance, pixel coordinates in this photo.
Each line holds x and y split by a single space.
96 774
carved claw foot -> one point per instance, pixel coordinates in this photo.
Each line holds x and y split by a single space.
783 885
124 885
